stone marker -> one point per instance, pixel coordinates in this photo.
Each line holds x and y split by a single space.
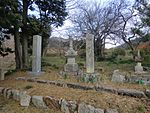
89 53
71 65
36 55
139 68
118 77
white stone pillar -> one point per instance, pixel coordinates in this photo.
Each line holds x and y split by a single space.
36 54
89 53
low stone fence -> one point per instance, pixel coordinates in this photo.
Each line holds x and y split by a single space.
123 92
48 102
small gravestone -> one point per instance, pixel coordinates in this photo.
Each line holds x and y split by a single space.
118 77
71 65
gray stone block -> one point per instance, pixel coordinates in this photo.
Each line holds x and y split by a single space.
98 110
132 93
38 102
64 106
25 99
83 108
16 95
147 93
111 111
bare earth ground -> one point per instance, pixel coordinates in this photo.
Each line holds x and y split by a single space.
104 100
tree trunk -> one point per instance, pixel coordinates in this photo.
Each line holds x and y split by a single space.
99 49
18 49
25 36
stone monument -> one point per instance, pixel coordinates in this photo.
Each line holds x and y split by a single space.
89 53
71 65
36 55
90 74
138 67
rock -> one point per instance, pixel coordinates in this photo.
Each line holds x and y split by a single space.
64 106
38 102
20 78
24 99
131 92
5 92
41 81
99 110
16 95
72 106
9 94
104 88
78 86
117 77
1 90
83 108
52 103
111 111
147 93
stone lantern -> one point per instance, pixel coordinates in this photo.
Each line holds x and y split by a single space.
71 65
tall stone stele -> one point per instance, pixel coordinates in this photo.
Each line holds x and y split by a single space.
89 53
36 55
71 65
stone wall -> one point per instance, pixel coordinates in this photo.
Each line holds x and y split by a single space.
48 102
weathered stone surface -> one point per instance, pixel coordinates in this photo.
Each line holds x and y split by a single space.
36 56
139 68
117 77
20 78
107 89
132 93
9 94
72 106
71 65
83 108
64 106
5 92
38 102
89 53
16 95
1 90
41 81
77 86
31 80
52 103
147 93
25 99
99 110
51 82
111 111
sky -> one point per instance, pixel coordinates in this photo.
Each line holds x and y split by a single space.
61 31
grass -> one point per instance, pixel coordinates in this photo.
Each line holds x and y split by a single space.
11 106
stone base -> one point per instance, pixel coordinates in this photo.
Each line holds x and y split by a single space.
91 77
34 74
71 67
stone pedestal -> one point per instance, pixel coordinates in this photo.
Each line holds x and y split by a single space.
71 65
36 55
139 68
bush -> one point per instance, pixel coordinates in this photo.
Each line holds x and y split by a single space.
119 51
